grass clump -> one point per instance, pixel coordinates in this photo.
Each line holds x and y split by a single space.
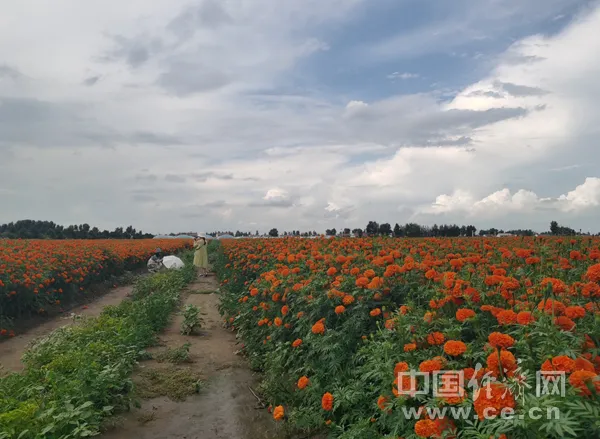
175 355
174 382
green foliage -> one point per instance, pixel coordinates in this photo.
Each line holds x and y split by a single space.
191 319
78 375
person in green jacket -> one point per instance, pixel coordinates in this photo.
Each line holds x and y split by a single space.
201 255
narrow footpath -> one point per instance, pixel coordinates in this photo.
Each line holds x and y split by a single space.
225 406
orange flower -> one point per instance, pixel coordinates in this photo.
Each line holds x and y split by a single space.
580 380
382 402
436 338
455 348
318 328
506 317
297 342
506 362
463 314
500 340
561 363
331 271
277 321
525 318
348 300
327 402
565 323
550 306
491 399
430 366
425 428
340 309
303 382
575 312
593 273
375 312
409 347
278 413
400 367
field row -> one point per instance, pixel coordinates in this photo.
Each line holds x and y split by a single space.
354 335
36 275
78 375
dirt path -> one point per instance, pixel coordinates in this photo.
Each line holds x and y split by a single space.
224 407
12 350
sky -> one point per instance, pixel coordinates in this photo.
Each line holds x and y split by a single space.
202 115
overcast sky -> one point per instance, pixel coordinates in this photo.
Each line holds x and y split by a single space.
176 115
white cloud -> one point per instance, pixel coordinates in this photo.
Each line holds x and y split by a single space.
584 196
211 102
502 203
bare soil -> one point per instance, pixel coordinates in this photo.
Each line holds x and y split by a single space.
224 407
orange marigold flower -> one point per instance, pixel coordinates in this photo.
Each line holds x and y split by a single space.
327 402
575 312
506 362
583 364
297 342
430 366
331 271
382 402
278 321
593 273
425 428
340 309
525 318
565 323
278 413
463 314
318 328
375 312
455 348
409 347
362 282
550 306
562 363
284 310
500 340
491 399
506 317
303 382
400 367
348 300
580 380
436 338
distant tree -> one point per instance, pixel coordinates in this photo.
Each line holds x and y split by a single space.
372 228
273 232
385 229
357 232
413 230
346 231
331 232
554 229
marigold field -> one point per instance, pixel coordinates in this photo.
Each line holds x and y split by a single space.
36 275
331 323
